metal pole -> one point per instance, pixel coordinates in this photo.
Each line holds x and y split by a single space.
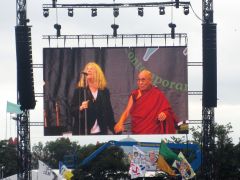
85 98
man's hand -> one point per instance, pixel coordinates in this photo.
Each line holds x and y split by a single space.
162 116
119 127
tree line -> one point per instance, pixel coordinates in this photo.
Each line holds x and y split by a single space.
112 163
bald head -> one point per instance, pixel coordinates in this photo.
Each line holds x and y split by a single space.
144 80
147 74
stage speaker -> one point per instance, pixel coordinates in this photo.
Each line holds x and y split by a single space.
209 65
25 83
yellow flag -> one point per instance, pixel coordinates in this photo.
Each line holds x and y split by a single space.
163 166
67 174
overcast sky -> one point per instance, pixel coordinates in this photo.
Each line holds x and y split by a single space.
228 38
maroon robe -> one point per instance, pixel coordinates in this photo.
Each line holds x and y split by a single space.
145 110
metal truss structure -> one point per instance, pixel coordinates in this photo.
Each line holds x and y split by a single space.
23 146
23 125
118 5
23 128
207 11
121 40
208 144
21 13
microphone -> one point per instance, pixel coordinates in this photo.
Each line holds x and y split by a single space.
84 73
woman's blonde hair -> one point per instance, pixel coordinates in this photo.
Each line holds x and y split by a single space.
99 76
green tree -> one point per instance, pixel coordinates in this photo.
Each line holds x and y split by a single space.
226 155
109 164
224 158
8 158
53 152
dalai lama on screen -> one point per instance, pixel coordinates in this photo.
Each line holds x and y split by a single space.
149 109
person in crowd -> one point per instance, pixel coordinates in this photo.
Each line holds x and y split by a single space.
91 103
149 109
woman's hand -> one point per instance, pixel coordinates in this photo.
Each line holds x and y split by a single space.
84 105
119 127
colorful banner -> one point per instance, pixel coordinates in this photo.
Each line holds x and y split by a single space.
138 163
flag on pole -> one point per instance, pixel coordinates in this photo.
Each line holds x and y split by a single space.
138 163
13 108
45 172
184 167
167 153
64 171
163 166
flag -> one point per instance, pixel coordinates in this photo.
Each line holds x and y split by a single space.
184 167
64 171
151 160
13 108
163 166
45 172
138 163
167 153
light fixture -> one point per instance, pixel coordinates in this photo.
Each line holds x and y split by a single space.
186 10
70 12
172 26
94 12
115 27
140 12
58 28
115 12
161 10
45 12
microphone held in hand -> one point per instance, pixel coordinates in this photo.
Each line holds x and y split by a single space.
84 73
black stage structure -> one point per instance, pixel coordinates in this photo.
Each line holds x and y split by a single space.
25 71
25 89
209 97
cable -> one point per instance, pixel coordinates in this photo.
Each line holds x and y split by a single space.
172 13
195 13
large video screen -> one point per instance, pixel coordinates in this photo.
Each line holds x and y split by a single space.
67 87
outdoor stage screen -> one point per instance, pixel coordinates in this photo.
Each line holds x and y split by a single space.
121 65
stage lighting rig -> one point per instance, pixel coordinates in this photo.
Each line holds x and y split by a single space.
115 27
140 12
172 26
70 12
161 10
115 12
94 12
186 10
58 28
45 12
